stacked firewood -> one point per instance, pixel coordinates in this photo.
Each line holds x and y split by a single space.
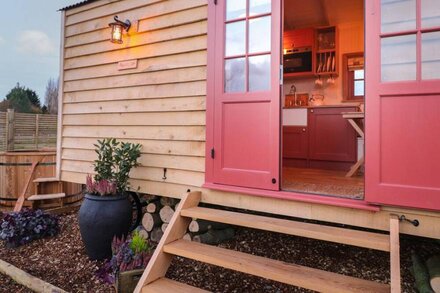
158 214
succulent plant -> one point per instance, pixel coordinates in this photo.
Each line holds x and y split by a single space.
19 228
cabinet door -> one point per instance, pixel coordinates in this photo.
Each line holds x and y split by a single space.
331 137
295 142
402 162
299 38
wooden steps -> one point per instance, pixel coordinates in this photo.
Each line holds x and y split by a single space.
291 274
172 244
46 180
164 285
46 196
314 231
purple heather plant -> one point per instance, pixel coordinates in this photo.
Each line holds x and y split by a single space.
102 187
128 254
19 228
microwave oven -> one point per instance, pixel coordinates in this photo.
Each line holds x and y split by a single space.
298 60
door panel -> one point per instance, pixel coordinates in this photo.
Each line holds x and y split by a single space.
402 104
246 130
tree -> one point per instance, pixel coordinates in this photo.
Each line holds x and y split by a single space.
51 96
19 99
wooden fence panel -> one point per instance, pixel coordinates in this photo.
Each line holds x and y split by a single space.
27 131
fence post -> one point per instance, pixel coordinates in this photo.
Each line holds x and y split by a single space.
10 128
37 130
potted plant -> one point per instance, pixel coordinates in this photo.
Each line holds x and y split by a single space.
106 211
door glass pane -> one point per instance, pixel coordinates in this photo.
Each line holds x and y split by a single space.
430 13
235 75
235 9
260 34
398 15
259 73
398 58
431 55
259 6
235 38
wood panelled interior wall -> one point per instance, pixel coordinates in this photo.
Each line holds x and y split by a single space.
160 104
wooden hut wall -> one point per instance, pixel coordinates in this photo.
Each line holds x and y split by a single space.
160 104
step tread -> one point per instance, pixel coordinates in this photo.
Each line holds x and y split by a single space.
164 285
316 231
292 274
46 196
47 179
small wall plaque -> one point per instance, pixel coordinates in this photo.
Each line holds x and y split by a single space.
129 64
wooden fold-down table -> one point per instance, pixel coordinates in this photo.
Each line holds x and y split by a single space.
356 120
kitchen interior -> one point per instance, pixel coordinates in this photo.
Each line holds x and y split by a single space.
323 98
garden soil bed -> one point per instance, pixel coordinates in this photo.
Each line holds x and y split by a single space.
61 261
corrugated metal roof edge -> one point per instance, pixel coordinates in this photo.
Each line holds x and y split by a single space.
77 5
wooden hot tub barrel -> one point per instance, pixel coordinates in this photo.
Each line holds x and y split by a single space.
14 172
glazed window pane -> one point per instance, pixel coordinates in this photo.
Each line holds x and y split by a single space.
398 15
260 35
235 75
259 73
259 6
235 9
431 55
235 38
398 60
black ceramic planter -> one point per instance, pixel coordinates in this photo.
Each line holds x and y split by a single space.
100 219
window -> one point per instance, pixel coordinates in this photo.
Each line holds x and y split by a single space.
354 77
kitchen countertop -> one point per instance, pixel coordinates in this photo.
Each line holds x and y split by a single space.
326 106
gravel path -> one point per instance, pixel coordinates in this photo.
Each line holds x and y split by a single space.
62 261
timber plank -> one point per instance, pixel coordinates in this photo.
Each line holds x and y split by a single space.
172 76
164 285
112 9
145 25
147 160
173 90
186 133
146 12
172 47
315 231
141 39
190 178
138 106
292 274
46 196
183 148
183 60
192 118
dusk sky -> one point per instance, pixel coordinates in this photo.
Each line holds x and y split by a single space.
29 43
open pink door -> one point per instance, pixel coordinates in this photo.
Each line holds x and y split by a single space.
403 103
246 130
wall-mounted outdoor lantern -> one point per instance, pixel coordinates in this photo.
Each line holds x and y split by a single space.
117 29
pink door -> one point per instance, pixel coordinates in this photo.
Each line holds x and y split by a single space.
246 131
403 103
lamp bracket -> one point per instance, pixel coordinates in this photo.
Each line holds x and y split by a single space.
126 24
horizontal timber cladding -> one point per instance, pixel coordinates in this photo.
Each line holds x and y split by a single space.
160 103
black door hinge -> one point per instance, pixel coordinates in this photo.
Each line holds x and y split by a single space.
212 153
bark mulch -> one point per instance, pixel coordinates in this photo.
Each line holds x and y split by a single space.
9 285
62 261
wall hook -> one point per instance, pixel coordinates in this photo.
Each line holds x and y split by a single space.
402 218
164 174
